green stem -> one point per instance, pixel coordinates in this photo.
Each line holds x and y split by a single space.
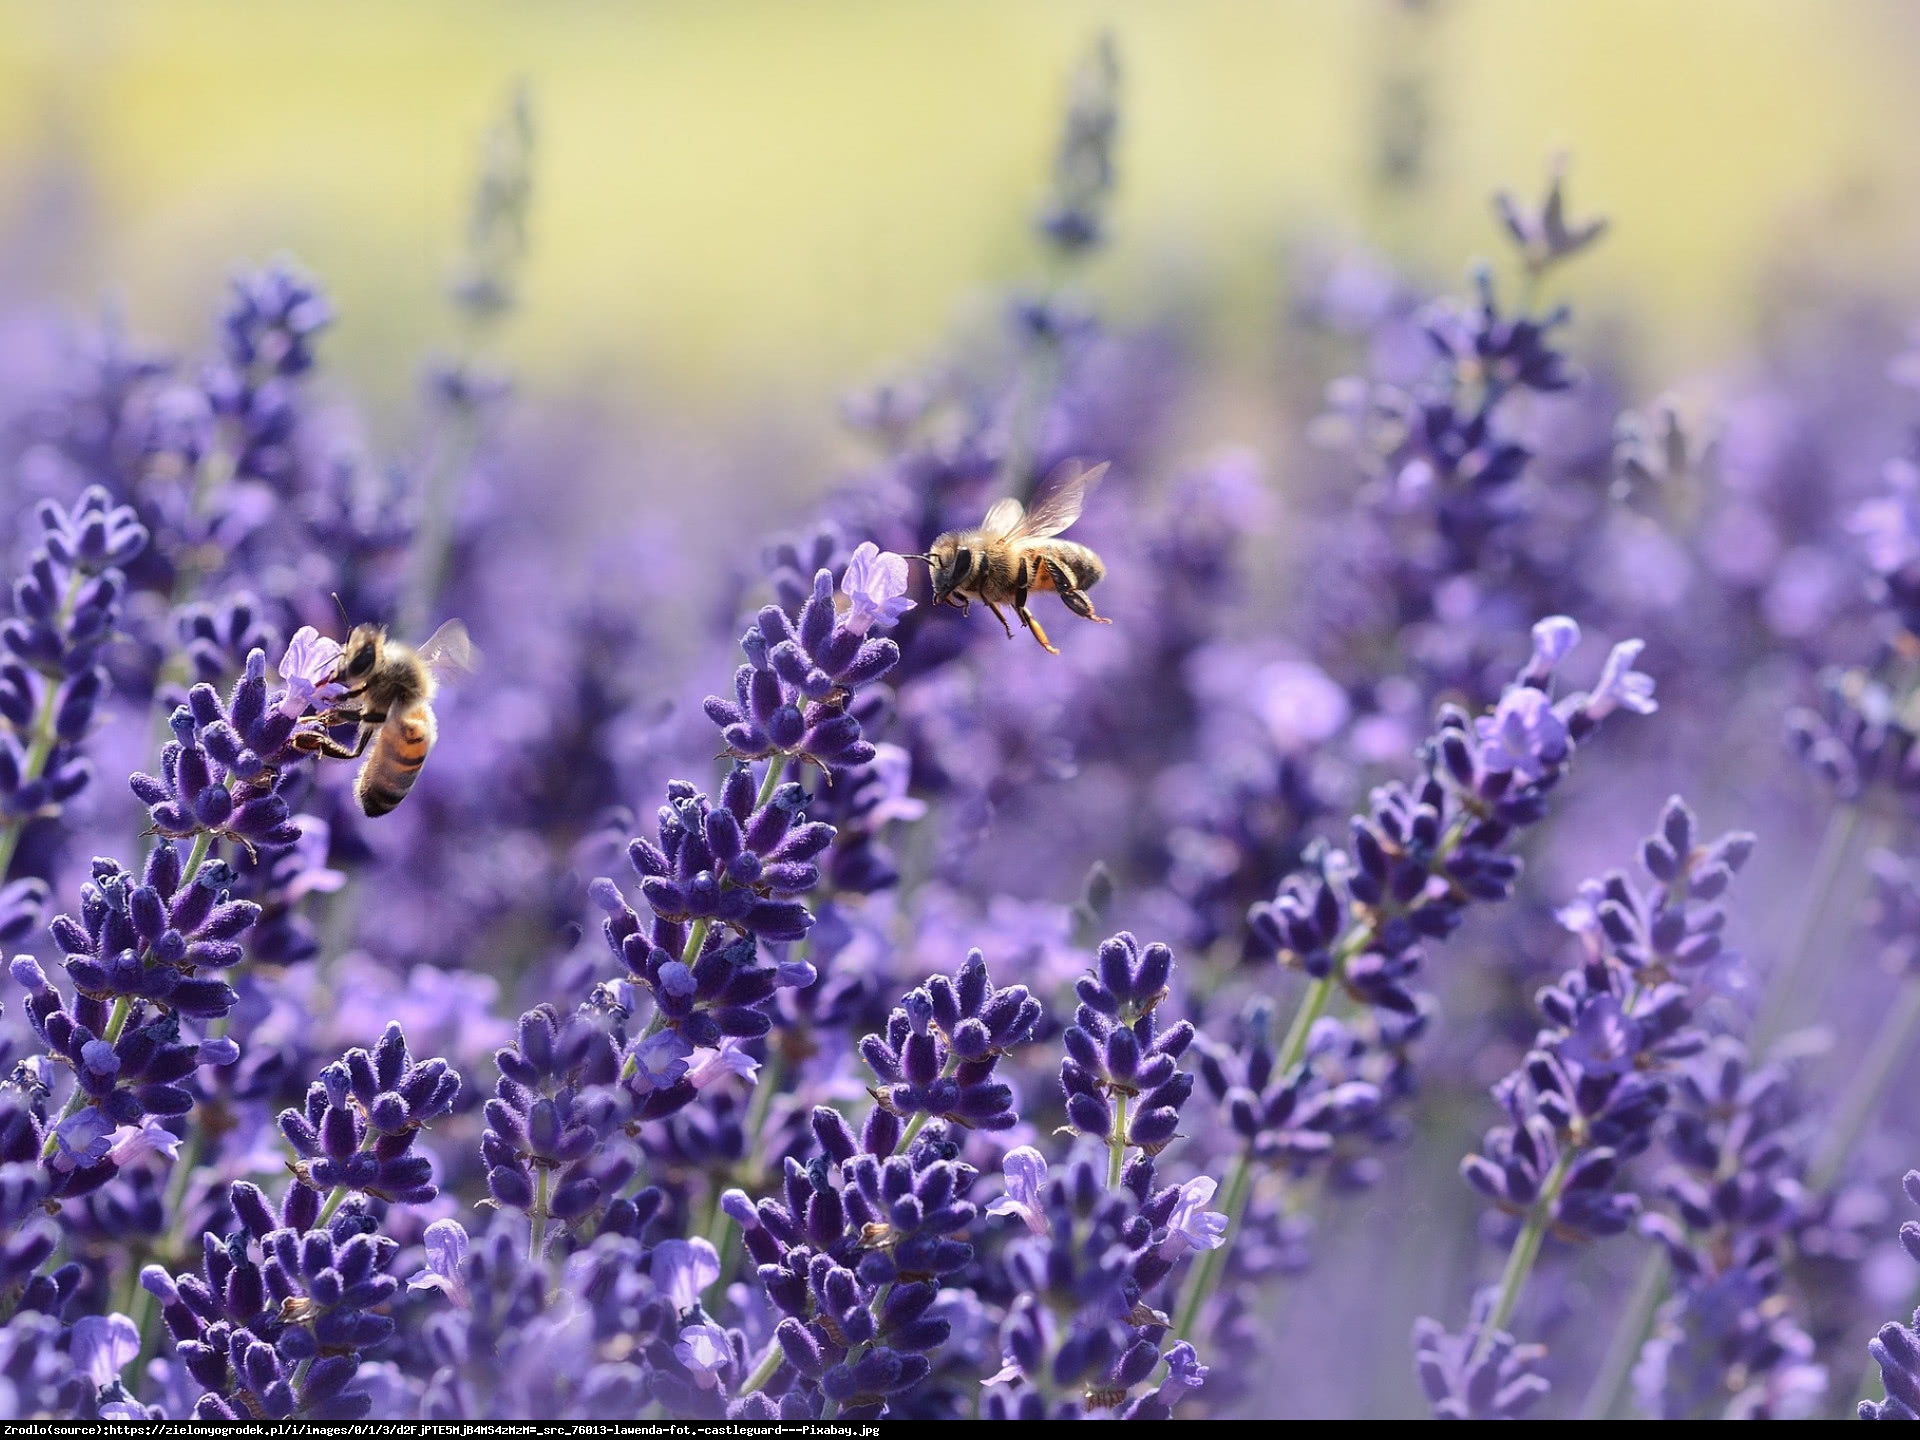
1211 1262
339 1193
1784 990
719 1234
1629 1335
776 767
1526 1250
332 1203
197 856
719 1226
1312 1007
763 1372
1861 1102
1117 1143
537 1231
439 499
696 938
764 1093
914 1127
116 1022
143 1312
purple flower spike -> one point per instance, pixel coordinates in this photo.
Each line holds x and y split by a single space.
361 1118
275 1321
943 1043
1463 1381
1116 1048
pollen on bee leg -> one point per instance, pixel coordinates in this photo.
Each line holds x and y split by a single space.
1038 632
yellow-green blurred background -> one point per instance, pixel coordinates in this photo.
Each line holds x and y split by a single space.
758 204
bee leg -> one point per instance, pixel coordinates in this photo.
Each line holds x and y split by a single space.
1001 616
318 742
1026 618
312 742
1034 625
331 719
1073 598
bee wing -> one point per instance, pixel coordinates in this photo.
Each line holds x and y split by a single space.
449 651
1057 503
1004 517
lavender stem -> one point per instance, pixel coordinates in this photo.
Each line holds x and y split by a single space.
763 1372
1520 1260
197 856
1870 1079
1207 1269
1629 1334
537 1232
1785 987
337 1195
719 1226
1211 1262
439 499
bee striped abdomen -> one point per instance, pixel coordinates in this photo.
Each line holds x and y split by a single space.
1080 566
394 761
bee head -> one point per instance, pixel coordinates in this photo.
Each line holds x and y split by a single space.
360 657
949 563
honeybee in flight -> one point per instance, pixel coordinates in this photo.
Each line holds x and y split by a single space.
1012 553
394 685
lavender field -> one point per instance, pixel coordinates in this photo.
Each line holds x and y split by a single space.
1438 936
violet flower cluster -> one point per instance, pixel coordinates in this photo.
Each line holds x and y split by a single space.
1597 1082
978 1033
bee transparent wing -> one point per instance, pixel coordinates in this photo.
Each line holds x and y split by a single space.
450 651
1057 503
1004 517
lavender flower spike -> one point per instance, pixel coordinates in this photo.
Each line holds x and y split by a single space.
1476 1376
1896 1349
